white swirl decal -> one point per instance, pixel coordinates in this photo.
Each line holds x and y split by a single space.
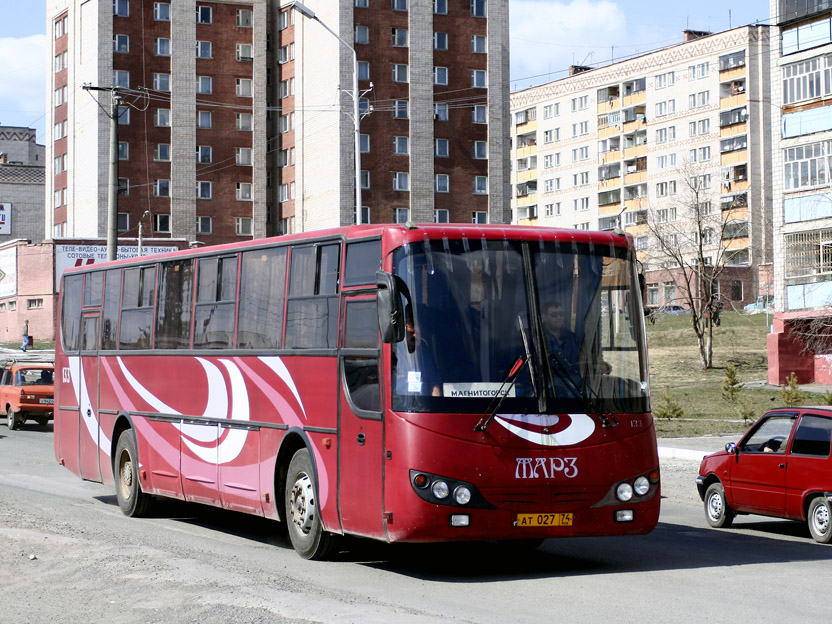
579 429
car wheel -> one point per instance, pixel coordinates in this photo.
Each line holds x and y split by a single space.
818 519
132 500
717 512
12 421
42 420
303 516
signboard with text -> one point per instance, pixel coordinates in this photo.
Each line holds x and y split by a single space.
67 256
8 272
5 218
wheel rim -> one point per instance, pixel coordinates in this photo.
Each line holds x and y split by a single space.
125 472
302 505
820 519
715 507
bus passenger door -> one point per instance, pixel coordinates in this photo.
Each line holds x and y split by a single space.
361 441
89 429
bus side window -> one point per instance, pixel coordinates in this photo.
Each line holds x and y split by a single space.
173 312
71 312
215 297
361 371
137 308
93 285
312 311
109 315
262 295
363 260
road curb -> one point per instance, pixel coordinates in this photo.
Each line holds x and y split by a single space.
678 453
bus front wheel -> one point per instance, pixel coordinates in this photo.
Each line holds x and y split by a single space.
303 517
131 499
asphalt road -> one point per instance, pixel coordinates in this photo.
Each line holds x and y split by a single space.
69 555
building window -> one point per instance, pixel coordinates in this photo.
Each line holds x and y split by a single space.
442 185
244 191
400 145
479 114
121 43
161 11
242 226
479 150
161 46
244 20
161 223
479 217
204 225
365 179
442 148
244 122
478 8
440 41
244 156
736 290
243 87
806 35
204 154
203 49
400 38
245 53
161 82
440 7
123 117
400 5
362 34
479 44
480 185
203 15
123 150
121 8
121 78
479 78
363 70
440 76
204 120
122 221
399 73
204 189
441 216
400 109
401 181
400 215
807 166
161 188
161 117
123 187
287 18
34 304
440 111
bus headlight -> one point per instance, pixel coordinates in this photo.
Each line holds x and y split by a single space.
641 486
624 492
462 495
440 490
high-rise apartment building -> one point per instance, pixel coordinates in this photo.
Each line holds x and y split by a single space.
672 144
235 116
801 130
21 187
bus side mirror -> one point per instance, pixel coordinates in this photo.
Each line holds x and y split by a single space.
390 313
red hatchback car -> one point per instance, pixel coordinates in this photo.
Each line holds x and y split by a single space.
781 467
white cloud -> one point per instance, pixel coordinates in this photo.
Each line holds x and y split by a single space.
547 37
22 79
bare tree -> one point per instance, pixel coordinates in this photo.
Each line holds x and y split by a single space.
691 236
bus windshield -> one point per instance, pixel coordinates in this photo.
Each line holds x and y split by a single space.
473 308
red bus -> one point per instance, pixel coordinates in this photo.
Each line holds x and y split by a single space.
399 382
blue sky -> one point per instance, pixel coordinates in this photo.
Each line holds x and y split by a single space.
547 36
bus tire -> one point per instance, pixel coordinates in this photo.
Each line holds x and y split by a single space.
303 518
132 500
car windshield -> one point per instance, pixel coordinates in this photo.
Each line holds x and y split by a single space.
33 377
473 307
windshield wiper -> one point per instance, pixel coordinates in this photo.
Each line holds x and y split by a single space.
510 378
583 392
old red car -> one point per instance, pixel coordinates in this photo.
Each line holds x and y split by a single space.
26 391
780 468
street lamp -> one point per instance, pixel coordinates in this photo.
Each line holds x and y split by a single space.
306 11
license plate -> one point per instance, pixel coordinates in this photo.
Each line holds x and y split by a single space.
47 401
543 519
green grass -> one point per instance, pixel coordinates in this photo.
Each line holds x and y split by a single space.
674 364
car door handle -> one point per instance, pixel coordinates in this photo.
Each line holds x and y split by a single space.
360 439
781 465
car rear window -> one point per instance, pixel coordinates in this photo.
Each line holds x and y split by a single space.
813 436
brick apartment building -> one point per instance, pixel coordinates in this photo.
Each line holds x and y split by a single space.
639 143
235 115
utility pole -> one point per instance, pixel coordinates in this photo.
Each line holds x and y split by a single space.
112 189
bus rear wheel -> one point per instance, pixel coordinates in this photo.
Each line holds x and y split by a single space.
131 499
303 517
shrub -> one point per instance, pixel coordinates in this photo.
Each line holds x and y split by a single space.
791 394
746 410
731 385
667 407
